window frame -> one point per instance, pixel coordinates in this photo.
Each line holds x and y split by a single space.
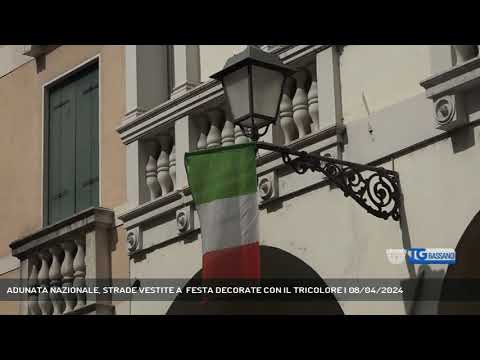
46 91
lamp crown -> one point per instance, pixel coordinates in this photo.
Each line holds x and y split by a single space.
253 55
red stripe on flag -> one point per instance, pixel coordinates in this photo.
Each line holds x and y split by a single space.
241 262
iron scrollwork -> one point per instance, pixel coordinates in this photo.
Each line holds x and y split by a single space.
376 189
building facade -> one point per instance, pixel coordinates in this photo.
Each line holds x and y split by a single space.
93 182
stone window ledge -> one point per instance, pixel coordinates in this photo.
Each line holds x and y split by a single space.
459 78
80 222
155 208
305 142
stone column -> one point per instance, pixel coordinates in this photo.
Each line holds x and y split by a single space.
147 79
98 261
328 85
186 136
186 68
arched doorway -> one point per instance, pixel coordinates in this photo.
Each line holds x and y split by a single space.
462 280
275 264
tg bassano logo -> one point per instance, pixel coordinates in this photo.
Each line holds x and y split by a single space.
421 256
431 256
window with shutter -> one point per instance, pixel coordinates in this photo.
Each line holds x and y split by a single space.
72 146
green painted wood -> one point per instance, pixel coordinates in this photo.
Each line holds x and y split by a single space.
87 141
73 143
54 155
67 174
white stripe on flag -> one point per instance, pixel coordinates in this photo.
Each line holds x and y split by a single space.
229 222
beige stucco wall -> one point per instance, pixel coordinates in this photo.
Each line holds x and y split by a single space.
10 59
22 134
385 74
213 58
20 154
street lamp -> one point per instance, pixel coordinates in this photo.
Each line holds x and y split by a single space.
253 81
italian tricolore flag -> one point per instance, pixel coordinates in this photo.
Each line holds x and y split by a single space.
224 187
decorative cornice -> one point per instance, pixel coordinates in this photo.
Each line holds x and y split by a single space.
169 111
303 142
155 208
457 78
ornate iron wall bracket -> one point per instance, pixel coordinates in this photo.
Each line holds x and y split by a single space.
377 190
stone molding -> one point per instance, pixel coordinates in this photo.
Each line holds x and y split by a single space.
80 222
462 77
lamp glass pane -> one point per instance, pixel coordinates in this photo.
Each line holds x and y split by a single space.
267 89
236 86
258 123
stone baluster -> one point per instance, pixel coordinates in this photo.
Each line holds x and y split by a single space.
228 131
56 280
33 306
240 137
313 102
67 275
44 282
173 166
203 127
300 105
287 124
163 168
79 269
214 137
151 177
150 152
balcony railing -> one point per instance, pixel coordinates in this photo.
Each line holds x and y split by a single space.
72 253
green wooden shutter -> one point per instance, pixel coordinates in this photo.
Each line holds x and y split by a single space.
62 154
73 142
87 141
54 152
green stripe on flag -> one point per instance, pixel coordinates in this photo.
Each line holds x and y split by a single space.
222 172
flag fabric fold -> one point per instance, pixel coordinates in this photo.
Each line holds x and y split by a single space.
223 182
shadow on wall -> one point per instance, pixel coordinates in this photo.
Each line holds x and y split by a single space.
424 290
462 280
463 139
275 264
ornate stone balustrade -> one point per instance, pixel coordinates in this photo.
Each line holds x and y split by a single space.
216 129
72 253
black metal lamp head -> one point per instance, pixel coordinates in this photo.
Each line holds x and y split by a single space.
253 81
